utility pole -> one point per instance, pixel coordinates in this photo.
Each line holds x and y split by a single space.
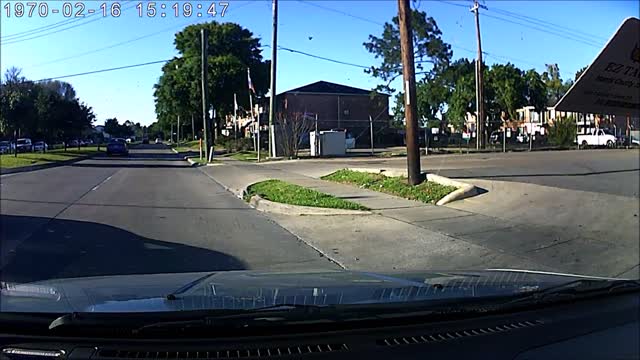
204 35
193 128
178 131
272 99
480 132
409 77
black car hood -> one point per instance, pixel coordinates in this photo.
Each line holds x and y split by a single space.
253 289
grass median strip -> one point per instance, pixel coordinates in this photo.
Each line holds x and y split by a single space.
248 156
37 158
287 193
428 192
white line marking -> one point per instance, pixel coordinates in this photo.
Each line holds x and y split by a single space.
103 181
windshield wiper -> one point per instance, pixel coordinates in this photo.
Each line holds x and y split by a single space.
577 289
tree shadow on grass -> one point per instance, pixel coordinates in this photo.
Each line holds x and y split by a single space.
67 248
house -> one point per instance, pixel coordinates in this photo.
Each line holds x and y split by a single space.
337 106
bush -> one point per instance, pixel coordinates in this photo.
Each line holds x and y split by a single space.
563 132
232 145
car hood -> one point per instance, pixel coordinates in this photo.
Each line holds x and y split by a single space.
254 289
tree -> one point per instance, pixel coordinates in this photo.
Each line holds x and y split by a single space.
231 50
115 129
535 90
428 46
462 96
508 88
579 72
556 88
292 131
48 110
563 131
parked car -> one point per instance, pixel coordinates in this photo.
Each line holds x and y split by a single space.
116 147
597 137
40 146
158 141
24 145
6 147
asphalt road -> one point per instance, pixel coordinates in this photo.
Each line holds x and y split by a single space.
146 213
615 172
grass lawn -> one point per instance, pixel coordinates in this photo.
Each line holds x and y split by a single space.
428 192
284 192
249 155
36 158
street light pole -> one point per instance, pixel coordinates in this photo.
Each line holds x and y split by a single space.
409 77
272 98
205 106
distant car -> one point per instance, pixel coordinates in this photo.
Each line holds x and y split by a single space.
73 143
117 148
24 145
145 140
40 146
158 141
5 147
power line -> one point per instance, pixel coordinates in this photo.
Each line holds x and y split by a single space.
127 41
104 70
341 12
559 34
15 41
41 28
322 57
109 47
533 23
545 22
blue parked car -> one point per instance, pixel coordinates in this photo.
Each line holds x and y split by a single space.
117 147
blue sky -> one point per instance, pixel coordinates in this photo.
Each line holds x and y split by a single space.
128 94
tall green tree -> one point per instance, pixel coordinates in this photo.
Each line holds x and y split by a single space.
535 90
462 95
508 87
556 87
432 55
231 50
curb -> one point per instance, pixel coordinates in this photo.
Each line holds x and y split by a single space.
463 190
194 163
265 205
43 166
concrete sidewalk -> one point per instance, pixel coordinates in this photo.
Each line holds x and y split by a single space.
410 235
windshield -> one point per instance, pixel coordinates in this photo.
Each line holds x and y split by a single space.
187 140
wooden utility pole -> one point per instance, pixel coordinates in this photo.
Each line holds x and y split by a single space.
409 84
204 35
272 98
480 118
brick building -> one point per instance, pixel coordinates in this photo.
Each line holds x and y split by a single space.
337 107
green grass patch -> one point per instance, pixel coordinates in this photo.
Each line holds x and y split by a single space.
427 191
248 155
287 193
37 158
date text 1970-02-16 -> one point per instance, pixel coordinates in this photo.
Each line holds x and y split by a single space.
114 9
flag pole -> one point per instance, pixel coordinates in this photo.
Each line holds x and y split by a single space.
257 122
235 120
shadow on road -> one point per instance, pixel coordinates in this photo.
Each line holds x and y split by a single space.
67 248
